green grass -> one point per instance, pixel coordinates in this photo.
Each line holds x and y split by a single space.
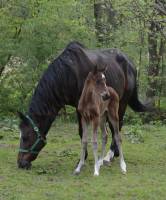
51 176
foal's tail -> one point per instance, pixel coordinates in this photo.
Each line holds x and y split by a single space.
137 105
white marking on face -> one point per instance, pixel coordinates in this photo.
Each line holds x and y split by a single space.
103 76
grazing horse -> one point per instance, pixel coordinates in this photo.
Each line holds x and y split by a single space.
67 73
97 102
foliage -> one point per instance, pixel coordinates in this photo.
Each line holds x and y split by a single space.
34 32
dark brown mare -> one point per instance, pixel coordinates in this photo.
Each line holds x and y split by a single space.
97 103
62 84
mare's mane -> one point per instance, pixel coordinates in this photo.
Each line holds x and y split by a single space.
53 89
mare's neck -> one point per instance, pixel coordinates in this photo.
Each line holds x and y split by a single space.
43 122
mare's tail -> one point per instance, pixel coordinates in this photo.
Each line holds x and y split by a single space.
137 105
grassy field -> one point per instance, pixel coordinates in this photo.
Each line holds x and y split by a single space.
51 177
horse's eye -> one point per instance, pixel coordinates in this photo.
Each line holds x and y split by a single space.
98 82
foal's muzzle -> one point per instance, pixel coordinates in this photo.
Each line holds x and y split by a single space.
24 164
105 96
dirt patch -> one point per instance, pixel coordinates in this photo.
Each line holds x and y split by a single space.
2 178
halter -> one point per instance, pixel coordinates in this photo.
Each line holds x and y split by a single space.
38 140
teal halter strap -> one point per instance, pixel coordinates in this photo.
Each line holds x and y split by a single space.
38 140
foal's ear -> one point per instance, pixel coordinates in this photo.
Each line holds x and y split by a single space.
103 69
95 70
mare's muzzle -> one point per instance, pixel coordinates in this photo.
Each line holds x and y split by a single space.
24 164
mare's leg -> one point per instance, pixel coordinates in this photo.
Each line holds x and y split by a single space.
81 131
84 147
104 139
115 123
121 112
113 147
95 146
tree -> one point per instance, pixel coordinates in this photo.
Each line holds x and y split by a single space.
156 48
104 20
33 33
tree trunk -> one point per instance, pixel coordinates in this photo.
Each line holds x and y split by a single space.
104 20
153 69
156 51
2 66
98 13
5 62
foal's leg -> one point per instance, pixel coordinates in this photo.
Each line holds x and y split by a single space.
113 148
84 147
104 139
115 123
95 146
81 131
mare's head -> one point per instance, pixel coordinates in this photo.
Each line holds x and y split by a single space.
31 141
97 82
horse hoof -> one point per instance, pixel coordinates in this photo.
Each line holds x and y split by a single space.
96 174
123 167
76 172
124 172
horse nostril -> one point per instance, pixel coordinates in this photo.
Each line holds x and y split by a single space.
105 97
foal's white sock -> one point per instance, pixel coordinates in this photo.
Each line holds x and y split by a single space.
109 156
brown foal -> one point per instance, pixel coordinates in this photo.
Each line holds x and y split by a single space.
97 103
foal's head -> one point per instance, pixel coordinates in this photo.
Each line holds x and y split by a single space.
97 82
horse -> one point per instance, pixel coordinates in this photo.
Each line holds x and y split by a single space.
97 102
67 73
